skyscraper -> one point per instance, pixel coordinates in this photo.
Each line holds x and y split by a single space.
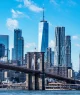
43 35
18 51
59 57
78 75
68 51
4 39
2 50
50 57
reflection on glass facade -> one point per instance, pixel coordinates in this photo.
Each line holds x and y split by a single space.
68 51
18 51
59 57
43 36
4 39
2 50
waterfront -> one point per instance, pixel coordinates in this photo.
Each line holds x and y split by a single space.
23 92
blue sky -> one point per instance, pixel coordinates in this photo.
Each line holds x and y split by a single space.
26 15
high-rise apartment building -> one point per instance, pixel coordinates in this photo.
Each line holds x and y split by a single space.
68 51
43 35
18 51
4 39
2 50
59 57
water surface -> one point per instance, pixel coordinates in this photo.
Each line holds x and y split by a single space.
22 92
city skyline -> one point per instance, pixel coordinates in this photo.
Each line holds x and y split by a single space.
23 14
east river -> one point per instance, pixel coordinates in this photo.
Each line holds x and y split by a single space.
22 92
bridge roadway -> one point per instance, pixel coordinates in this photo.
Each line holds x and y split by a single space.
33 72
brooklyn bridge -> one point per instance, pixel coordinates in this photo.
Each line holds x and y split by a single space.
38 71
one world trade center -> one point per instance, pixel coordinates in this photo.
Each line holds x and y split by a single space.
43 35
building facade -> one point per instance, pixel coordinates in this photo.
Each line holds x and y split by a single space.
43 35
59 57
68 51
52 58
61 71
4 39
2 50
18 51
49 57
13 54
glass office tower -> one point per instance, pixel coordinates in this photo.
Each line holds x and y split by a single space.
59 57
4 39
68 51
18 51
2 50
43 35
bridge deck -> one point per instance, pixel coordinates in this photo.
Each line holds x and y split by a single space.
29 71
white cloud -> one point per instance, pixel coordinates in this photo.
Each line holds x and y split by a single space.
20 6
78 45
12 24
32 6
62 2
75 37
50 24
54 2
71 2
30 45
18 14
52 44
19 0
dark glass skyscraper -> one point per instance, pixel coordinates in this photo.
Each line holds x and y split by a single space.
68 51
18 52
43 35
4 39
2 50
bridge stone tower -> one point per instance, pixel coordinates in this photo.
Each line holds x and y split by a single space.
35 61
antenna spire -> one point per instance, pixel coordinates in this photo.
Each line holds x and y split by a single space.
43 12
